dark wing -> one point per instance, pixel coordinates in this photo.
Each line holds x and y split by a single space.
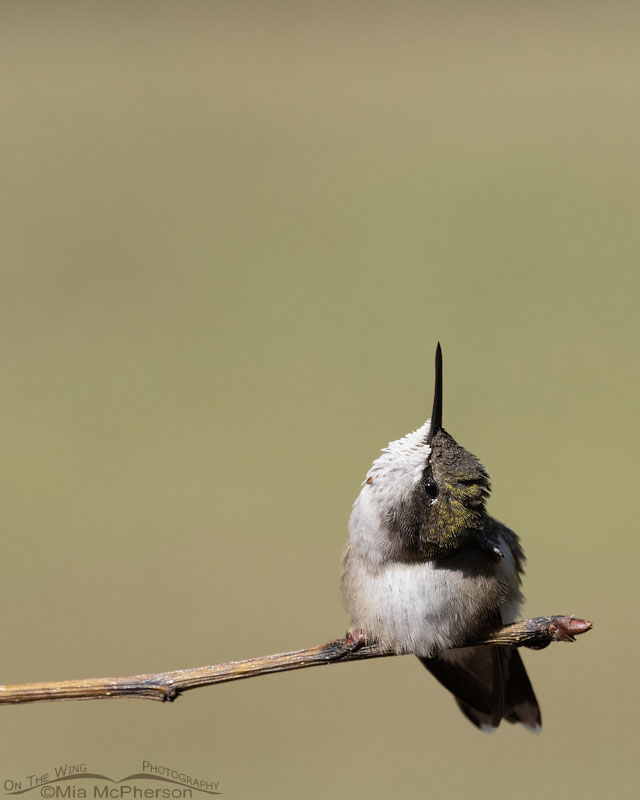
490 683
520 701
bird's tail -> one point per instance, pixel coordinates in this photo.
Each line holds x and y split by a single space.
489 683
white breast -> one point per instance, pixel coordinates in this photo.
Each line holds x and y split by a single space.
419 607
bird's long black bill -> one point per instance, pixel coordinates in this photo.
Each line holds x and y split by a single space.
436 414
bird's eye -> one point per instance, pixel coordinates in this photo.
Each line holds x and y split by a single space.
431 488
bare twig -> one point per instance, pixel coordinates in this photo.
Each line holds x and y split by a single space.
164 686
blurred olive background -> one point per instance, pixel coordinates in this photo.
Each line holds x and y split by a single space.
232 234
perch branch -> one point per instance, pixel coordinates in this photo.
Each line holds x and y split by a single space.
164 686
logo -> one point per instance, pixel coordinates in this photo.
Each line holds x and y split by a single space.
76 782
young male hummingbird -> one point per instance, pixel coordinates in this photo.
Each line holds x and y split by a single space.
426 568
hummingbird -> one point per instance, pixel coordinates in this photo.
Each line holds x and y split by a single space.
426 569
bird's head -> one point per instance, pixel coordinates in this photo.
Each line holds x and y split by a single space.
427 492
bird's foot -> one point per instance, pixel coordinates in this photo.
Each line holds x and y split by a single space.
355 639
